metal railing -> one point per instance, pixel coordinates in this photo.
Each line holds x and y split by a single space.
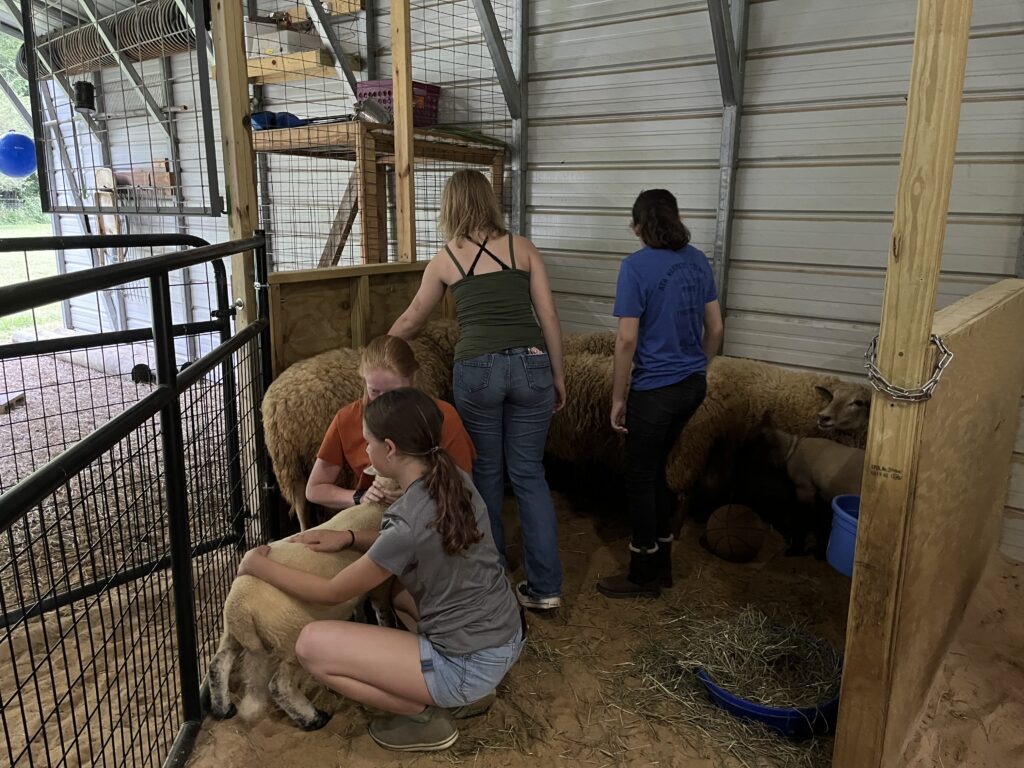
101 653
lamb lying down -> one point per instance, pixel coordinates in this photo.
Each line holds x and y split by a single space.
261 625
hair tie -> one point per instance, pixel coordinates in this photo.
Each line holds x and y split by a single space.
435 450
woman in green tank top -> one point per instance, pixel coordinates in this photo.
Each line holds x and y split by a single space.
508 378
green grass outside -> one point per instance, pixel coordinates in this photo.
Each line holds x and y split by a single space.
13 270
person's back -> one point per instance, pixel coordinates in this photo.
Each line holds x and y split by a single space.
492 296
670 290
508 377
670 325
464 600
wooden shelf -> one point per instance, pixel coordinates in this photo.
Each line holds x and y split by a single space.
269 70
337 7
371 146
339 141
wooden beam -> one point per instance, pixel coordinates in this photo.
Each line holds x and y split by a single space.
380 178
331 136
360 310
299 12
336 273
369 212
905 358
401 68
284 67
341 227
241 207
236 148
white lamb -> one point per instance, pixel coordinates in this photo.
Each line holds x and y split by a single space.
261 624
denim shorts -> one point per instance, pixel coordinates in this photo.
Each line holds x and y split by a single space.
454 681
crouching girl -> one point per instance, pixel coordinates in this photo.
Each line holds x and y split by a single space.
436 539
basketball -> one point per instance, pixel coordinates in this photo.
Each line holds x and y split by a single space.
735 533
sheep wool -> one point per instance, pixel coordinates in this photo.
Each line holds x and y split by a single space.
261 625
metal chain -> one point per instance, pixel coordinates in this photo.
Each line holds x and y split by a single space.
879 382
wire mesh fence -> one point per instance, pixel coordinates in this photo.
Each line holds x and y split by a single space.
57 390
101 547
326 158
121 97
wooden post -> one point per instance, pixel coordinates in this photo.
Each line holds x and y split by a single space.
905 358
381 181
240 203
341 227
360 311
236 147
401 99
369 213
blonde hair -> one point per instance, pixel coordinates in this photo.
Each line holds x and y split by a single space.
468 205
389 353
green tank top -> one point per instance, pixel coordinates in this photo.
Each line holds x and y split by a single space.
495 310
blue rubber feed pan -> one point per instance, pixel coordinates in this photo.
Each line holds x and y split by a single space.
842 543
792 723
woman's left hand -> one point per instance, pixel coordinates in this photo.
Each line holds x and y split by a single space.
559 385
245 568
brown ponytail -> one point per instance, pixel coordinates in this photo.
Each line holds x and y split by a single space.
656 218
413 422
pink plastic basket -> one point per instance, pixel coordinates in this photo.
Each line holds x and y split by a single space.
424 99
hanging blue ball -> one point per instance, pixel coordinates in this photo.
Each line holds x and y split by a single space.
17 155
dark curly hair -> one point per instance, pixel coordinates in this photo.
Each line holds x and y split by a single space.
411 419
656 217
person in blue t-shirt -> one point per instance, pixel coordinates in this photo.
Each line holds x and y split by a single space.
670 326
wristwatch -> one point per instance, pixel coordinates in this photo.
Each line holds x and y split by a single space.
357 497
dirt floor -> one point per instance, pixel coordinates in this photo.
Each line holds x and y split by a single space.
570 699
975 712
560 705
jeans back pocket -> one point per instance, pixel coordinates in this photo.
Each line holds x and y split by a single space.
474 374
538 372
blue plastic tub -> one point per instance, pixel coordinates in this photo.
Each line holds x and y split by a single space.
791 722
843 541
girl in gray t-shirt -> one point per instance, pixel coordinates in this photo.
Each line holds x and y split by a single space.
437 540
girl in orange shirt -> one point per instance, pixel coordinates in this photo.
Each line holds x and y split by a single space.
387 363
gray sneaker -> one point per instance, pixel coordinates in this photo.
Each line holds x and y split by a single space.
431 730
474 708
528 600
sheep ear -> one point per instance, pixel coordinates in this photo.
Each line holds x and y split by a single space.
824 392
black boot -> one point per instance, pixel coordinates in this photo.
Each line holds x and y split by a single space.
664 560
640 581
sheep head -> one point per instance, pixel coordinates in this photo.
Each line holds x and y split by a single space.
847 407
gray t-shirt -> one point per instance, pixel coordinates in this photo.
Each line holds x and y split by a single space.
465 601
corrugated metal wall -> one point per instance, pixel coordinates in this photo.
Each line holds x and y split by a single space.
626 98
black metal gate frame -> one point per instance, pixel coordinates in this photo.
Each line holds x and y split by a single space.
164 399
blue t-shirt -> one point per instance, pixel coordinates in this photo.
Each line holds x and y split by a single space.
667 290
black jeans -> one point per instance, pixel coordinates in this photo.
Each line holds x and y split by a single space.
655 418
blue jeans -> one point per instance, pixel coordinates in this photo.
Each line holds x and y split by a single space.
505 400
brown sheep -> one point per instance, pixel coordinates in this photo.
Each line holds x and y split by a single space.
820 469
847 410
600 343
302 401
739 393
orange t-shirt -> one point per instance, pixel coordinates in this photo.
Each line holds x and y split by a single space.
344 443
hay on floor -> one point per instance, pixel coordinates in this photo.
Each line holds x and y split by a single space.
769 661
